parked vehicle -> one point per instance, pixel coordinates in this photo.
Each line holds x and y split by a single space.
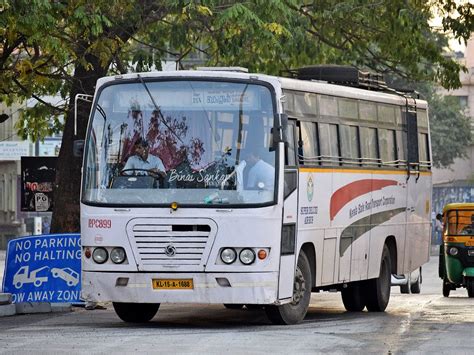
456 258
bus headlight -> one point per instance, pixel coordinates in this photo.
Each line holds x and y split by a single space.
453 251
247 256
100 255
228 255
117 255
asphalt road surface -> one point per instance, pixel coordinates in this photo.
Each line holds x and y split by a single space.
423 323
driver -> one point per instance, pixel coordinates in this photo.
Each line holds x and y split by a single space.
143 162
259 172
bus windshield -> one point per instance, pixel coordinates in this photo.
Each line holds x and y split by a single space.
194 142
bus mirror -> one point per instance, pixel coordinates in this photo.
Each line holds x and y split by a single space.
78 148
280 127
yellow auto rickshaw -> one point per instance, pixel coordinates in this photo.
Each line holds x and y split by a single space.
456 257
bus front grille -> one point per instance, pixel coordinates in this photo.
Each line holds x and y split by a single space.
182 246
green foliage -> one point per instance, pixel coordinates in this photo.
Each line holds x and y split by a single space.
44 42
450 129
63 47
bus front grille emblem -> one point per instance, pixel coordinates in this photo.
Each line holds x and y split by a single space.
170 250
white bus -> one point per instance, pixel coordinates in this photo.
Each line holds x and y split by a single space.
272 188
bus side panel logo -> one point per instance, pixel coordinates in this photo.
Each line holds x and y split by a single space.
170 250
310 187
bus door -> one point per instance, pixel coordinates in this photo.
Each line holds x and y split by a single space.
290 215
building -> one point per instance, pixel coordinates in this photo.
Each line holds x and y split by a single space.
14 222
456 183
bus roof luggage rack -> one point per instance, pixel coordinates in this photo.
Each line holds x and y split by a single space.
234 69
340 75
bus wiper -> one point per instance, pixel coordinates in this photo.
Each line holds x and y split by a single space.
101 111
157 108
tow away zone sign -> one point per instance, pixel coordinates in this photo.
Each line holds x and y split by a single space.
44 268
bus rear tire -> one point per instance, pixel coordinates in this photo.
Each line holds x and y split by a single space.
136 312
378 290
416 287
295 311
353 297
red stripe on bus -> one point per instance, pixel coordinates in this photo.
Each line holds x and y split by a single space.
355 189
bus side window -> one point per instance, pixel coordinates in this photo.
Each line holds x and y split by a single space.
308 138
349 136
424 151
329 145
401 148
387 146
368 145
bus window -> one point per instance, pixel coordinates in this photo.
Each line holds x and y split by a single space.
423 148
348 108
368 145
305 104
289 102
387 146
422 119
367 111
386 113
328 143
398 116
308 137
349 145
328 106
401 148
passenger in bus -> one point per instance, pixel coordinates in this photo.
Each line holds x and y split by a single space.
261 175
143 163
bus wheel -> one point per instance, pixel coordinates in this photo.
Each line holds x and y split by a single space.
416 287
353 297
294 312
470 287
446 288
378 290
136 312
233 305
404 288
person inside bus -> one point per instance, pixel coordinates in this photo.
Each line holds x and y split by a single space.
143 163
261 175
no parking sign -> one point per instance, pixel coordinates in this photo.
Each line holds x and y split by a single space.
44 268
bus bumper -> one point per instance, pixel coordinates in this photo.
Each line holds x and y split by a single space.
242 288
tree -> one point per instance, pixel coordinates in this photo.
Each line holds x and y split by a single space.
450 129
63 47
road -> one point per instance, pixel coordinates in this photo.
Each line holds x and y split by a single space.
424 323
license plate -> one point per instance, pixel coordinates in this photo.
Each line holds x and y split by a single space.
173 284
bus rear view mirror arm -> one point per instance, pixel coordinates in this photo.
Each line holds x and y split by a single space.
280 125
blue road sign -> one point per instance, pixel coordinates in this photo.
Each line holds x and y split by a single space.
44 268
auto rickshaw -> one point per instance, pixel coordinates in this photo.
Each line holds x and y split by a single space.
456 257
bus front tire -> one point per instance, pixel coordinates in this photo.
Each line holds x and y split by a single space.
353 297
378 290
136 312
295 311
